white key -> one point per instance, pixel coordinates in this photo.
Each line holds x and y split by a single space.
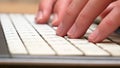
38 48
93 27
78 41
89 49
88 33
115 37
33 42
112 48
55 28
14 43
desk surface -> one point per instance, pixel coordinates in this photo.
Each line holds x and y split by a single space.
13 7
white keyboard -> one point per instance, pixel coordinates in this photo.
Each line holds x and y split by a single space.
22 38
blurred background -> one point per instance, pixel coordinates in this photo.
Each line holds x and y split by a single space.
19 6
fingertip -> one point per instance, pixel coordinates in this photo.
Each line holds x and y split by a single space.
72 32
44 12
91 38
58 33
95 37
61 31
42 17
59 11
55 19
39 17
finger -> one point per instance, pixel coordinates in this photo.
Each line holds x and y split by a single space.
59 10
44 12
107 10
86 17
70 15
109 24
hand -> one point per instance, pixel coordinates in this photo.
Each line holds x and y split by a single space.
75 16
110 22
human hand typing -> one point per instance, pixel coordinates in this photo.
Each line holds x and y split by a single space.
73 17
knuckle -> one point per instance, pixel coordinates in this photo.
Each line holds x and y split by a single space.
69 12
83 15
110 23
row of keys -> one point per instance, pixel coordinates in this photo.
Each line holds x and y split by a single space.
14 43
87 48
34 44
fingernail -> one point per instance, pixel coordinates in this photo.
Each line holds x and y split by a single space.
60 30
55 19
72 31
93 37
39 16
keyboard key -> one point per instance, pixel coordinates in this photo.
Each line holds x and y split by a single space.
77 41
93 27
88 33
115 37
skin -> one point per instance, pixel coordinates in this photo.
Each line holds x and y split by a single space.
73 17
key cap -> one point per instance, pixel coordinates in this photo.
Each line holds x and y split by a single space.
115 37
36 47
77 41
88 33
93 27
